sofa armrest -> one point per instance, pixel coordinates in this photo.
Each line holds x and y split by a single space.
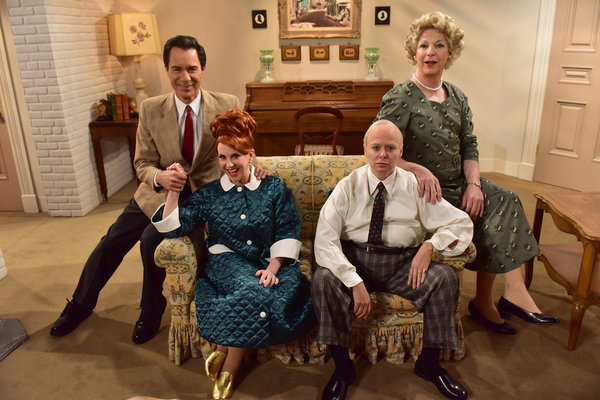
457 262
179 259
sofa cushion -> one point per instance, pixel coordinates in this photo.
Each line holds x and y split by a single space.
311 180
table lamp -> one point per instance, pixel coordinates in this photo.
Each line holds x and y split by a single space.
134 34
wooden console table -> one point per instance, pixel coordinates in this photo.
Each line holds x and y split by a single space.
107 129
575 267
273 105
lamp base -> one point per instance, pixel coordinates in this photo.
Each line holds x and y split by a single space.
139 83
140 96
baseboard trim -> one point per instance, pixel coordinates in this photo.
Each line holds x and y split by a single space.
509 168
30 204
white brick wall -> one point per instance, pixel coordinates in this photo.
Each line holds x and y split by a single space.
63 52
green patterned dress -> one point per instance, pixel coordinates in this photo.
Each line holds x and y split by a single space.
439 136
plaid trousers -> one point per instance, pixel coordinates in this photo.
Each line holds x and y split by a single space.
384 272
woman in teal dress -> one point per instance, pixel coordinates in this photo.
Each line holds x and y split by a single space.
441 150
253 294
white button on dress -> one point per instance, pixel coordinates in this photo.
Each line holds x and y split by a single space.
263 314
243 216
249 242
239 189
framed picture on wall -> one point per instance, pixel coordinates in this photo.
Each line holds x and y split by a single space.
319 18
348 52
291 53
319 52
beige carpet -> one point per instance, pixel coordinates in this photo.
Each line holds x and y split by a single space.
44 257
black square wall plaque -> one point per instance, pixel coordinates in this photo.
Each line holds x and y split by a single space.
382 15
259 19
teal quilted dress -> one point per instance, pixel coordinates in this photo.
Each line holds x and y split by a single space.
231 307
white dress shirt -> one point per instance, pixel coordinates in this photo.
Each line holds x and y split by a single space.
346 215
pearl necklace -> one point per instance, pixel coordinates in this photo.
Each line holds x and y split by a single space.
427 87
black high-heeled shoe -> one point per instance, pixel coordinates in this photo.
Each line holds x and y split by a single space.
503 329
506 309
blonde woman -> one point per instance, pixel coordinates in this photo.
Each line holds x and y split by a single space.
441 150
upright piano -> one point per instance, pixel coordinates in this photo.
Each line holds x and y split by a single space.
273 105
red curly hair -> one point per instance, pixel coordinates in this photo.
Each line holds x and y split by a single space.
234 129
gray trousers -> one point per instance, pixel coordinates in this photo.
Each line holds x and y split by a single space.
384 272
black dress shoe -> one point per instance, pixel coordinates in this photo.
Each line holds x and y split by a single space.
507 309
446 385
336 388
477 316
148 323
69 319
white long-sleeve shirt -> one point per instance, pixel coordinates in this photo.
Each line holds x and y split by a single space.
346 215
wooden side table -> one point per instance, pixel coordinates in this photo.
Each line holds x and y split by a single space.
107 129
576 268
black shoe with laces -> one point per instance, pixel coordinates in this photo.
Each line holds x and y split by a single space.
69 319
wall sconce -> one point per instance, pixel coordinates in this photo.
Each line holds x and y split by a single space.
133 34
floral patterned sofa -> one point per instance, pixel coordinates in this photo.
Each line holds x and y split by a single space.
394 328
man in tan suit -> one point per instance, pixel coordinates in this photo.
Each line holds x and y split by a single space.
166 126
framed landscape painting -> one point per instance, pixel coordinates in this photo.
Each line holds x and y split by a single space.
319 18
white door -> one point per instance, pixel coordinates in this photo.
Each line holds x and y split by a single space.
569 144
10 193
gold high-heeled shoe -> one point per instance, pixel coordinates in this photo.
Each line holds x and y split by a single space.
223 388
213 364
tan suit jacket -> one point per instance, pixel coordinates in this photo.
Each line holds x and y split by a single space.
158 145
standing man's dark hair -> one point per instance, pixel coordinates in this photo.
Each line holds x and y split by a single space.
185 43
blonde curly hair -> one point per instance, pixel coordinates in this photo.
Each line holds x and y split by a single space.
443 23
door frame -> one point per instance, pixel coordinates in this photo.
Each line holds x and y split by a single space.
537 91
17 121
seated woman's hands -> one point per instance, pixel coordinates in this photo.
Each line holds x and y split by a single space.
268 276
173 178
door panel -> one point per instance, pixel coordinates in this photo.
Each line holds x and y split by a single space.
10 194
569 146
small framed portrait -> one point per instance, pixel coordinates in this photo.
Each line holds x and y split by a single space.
348 52
291 53
259 19
319 52
382 15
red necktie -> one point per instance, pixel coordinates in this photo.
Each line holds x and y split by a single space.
376 225
188 136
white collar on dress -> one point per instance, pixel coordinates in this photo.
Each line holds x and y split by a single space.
253 184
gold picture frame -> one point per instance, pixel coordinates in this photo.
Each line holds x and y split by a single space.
319 19
291 53
348 52
319 52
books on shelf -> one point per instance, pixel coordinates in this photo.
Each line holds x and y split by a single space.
119 106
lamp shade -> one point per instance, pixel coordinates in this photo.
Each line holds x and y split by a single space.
133 34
